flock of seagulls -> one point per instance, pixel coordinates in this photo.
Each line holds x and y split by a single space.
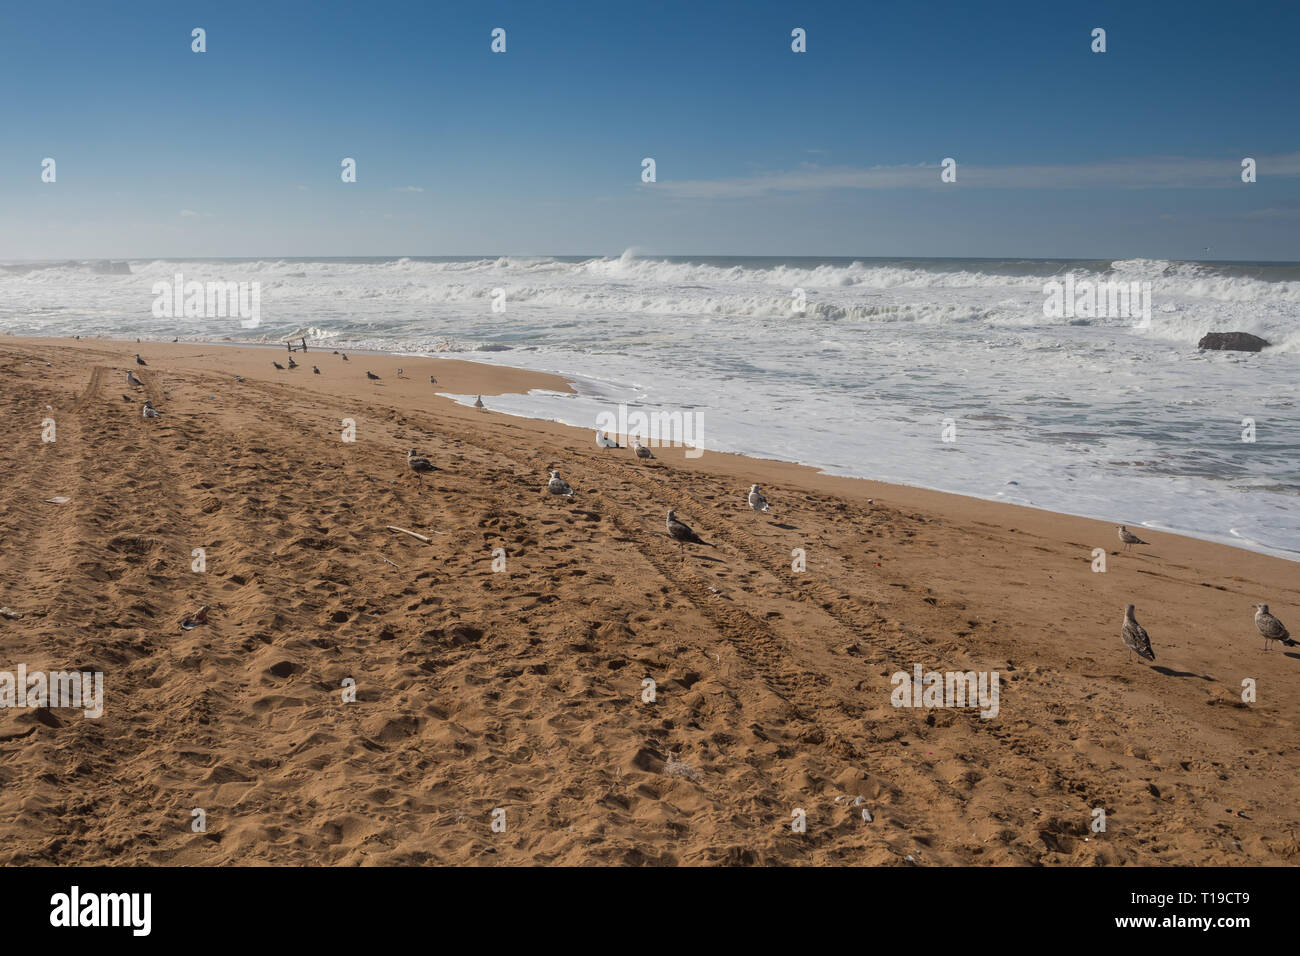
1133 634
1137 640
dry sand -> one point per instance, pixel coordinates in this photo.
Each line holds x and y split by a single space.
522 690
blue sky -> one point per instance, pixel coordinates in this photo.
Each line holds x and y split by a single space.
1061 152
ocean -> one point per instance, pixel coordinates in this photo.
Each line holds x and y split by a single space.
1117 417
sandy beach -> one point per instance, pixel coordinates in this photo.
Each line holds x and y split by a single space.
479 689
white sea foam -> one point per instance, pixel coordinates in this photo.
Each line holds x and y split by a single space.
1096 417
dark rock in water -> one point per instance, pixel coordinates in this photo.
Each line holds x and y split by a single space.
492 348
1234 341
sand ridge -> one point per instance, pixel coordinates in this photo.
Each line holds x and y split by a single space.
521 690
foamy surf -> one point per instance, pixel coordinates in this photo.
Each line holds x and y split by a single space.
1083 415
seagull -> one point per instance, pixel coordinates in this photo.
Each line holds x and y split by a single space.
399 371
558 486
683 533
432 380
604 441
756 499
277 365
372 376
132 380
149 411
1134 636
419 464
239 378
292 363
478 402
315 370
641 450
1128 537
345 356
1269 626
127 398
138 360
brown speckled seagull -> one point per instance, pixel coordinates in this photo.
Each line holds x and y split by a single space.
1128 537
1135 636
1269 626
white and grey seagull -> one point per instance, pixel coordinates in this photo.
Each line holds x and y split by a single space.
1128 537
604 441
1269 626
558 486
1135 637
641 450
132 380
756 499
149 411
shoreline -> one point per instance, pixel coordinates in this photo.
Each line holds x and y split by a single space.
510 379
480 686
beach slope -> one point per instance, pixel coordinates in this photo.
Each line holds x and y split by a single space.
503 664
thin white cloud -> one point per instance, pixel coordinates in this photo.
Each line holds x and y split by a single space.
188 212
1156 172
409 189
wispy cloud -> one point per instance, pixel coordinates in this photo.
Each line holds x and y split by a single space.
1155 172
408 189
188 212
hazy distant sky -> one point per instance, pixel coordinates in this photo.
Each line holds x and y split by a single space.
1061 151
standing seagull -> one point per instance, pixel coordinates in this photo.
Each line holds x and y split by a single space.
277 365
604 441
756 499
149 411
641 450
315 370
292 363
138 360
419 464
345 356
132 380
1128 537
478 402
372 376
1269 626
432 380
683 532
1135 637
558 486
